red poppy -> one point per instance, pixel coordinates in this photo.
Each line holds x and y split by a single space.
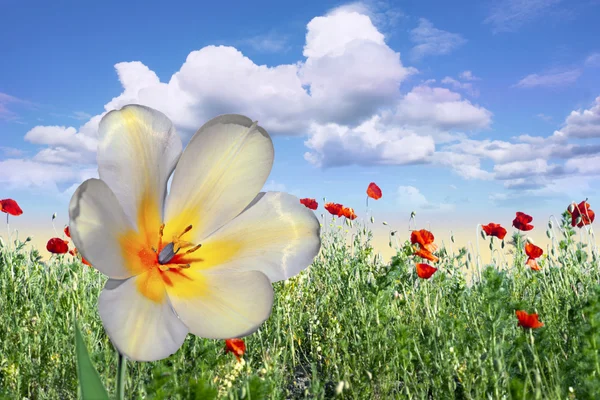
492 229
425 270
57 246
533 252
334 209
67 231
86 262
582 210
522 220
235 346
310 203
73 252
426 254
424 238
528 320
373 191
11 207
348 213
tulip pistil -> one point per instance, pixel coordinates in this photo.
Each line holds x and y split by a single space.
168 252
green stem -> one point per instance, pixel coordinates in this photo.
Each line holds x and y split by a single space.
121 376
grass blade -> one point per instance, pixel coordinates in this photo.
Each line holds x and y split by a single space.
89 380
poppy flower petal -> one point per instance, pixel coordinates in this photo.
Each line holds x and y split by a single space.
222 169
140 328
277 236
96 220
373 191
137 152
425 271
334 209
310 203
11 207
221 305
57 246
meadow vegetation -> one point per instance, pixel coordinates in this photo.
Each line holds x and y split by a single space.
350 325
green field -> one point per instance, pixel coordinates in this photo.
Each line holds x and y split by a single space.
350 326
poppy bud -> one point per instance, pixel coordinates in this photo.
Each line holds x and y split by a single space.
390 243
385 223
413 214
550 224
578 220
491 246
469 257
502 244
53 216
452 238
482 234
28 239
529 240
571 207
372 220
549 234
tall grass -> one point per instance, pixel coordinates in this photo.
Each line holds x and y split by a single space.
350 325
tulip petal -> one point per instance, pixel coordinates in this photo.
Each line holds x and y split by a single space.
140 328
221 305
222 169
137 152
276 235
96 219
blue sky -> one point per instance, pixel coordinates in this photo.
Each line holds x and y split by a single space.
464 112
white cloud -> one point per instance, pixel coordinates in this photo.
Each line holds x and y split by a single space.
583 123
510 15
550 79
441 108
273 186
407 134
466 166
410 198
272 42
468 76
348 74
28 174
11 151
433 41
371 143
7 101
466 86
545 117
593 60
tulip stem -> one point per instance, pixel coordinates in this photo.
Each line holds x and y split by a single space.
121 376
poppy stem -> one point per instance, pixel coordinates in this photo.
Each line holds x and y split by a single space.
121 376
7 231
477 256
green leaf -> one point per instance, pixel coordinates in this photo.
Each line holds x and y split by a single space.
89 380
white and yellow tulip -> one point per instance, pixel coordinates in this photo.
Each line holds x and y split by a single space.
200 259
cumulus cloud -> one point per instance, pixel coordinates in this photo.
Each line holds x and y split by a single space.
430 40
583 123
371 143
441 108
